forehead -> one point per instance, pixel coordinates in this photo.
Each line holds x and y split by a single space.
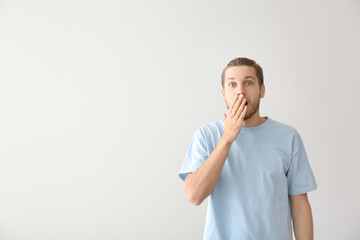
240 72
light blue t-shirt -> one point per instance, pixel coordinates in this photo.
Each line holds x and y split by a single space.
265 164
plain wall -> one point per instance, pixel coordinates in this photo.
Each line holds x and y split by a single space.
99 101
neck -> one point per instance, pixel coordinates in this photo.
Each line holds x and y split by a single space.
254 120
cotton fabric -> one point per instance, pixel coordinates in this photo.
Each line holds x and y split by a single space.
265 164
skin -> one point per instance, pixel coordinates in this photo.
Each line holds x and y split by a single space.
242 81
302 217
241 85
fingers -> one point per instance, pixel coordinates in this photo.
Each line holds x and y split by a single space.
237 108
236 105
232 104
241 108
243 113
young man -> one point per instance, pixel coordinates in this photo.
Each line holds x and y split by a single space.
255 169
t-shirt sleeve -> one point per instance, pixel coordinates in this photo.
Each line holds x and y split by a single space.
300 176
196 155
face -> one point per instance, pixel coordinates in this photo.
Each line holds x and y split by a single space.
243 80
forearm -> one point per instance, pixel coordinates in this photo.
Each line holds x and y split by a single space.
199 184
302 221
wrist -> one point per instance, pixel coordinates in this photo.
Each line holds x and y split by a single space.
226 142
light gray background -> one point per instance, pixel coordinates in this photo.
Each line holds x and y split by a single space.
99 101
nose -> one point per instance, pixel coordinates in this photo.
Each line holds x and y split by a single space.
239 91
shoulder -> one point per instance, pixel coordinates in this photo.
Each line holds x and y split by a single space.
282 128
212 127
211 131
287 134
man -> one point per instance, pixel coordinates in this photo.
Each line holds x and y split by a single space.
255 169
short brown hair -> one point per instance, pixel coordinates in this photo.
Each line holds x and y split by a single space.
244 62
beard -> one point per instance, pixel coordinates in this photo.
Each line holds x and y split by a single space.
252 107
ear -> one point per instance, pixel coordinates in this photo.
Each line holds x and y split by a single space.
223 93
262 91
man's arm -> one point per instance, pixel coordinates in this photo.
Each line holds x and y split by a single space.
199 184
302 217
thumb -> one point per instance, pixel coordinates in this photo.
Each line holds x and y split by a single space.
224 116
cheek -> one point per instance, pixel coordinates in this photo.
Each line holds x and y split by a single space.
230 98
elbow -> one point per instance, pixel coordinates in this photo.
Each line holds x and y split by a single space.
192 197
194 201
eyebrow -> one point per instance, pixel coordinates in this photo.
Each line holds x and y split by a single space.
246 77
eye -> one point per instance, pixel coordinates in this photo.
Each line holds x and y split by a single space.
231 84
248 83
